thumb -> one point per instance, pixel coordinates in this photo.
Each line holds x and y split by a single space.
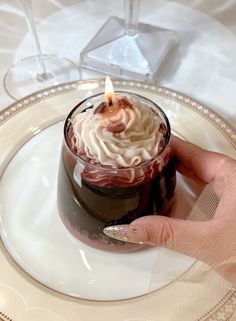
193 238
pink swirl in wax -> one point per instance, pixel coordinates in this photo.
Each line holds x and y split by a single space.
118 137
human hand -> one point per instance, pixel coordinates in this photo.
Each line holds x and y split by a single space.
212 241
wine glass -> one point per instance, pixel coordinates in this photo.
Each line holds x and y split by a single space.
40 71
128 49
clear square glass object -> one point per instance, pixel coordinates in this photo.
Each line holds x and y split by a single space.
138 53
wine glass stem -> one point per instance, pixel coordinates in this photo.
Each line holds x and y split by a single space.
131 15
27 5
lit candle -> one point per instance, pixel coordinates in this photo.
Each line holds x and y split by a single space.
109 92
112 105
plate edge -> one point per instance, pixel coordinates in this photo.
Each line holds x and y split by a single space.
213 117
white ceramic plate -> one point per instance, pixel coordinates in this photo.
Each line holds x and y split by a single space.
36 238
31 229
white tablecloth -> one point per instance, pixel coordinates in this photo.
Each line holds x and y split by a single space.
204 66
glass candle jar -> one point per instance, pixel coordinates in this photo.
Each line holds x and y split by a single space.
93 196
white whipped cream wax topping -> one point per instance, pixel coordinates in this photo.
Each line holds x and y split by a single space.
117 137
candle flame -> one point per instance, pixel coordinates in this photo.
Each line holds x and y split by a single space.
109 91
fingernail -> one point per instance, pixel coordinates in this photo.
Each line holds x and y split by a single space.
128 233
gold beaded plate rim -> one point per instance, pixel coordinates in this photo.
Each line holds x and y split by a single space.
213 117
4 317
223 309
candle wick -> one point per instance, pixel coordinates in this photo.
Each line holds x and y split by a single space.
110 104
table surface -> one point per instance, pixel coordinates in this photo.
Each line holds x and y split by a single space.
204 67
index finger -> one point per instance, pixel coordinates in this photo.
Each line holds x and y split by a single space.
204 164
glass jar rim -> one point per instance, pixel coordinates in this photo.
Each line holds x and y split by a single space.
104 167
